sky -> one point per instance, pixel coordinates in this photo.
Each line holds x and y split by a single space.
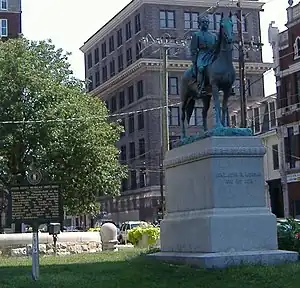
69 24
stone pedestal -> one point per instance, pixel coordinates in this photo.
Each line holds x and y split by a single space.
216 213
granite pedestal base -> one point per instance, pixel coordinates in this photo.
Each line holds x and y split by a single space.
216 213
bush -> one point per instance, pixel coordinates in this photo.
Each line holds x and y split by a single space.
288 233
94 229
136 234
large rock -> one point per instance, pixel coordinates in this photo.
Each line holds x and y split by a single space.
216 211
19 244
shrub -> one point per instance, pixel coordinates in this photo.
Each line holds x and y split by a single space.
94 229
136 234
288 233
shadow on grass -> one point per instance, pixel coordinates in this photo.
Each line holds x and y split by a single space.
112 270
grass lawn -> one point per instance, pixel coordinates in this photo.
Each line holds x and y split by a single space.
131 270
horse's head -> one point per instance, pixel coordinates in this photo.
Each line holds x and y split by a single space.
226 28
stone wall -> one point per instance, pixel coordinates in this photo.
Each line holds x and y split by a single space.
19 244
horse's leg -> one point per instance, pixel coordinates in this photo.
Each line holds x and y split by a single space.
184 102
183 107
206 104
225 114
216 94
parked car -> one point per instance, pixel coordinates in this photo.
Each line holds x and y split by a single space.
125 227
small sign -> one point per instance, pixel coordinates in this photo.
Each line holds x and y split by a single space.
35 204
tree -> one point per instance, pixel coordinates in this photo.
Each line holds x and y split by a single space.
47 120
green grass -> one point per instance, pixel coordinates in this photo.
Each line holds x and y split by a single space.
130 269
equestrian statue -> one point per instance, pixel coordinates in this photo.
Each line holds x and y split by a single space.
212 71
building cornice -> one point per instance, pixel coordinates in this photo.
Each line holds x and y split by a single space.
144 64
291 70
136 4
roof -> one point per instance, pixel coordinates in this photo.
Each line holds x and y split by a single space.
132 6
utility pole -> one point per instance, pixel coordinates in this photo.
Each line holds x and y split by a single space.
243 100
282 170
164 44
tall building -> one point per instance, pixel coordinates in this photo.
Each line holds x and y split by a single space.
286 51
10 18
127 78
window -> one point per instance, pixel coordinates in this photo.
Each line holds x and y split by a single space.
191 20
142 178
133 184
141 123
196 118
174 116
297 48
236 87
211 19
124 184
113 106
138 49
137 22
217 21
233 121
123 154
272 109
248 87
130 94
120 63
103 50
167 19
142 148
131 150
119 38
96 55
297 88
90 85
104 73
89 60
129 56
128 30
244 24
256 120
289 147
112 68
235 52
173 85
97 78
111 44
124 127
131 123
140 89
275 157
3 5
121 99
173 141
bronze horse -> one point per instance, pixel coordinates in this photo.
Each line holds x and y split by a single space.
219 76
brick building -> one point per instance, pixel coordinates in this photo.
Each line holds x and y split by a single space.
129 80
10 18
286 50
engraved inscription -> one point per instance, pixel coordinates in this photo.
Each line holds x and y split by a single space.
35 203
239 178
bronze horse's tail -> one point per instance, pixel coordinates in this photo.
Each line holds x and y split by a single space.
187 104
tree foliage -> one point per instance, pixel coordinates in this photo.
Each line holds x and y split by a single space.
47 120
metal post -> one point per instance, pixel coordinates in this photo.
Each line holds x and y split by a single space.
283 168
161 182
165 109
35 253
243 100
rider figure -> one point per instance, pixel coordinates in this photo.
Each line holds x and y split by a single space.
202 45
